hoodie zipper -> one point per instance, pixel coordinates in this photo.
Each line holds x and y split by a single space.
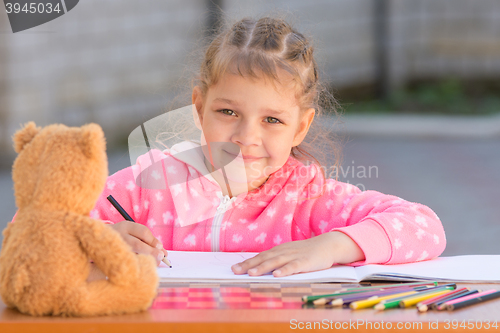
216 222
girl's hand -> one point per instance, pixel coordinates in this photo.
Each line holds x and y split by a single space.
140 239
307 255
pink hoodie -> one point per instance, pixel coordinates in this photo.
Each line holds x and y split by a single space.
191 214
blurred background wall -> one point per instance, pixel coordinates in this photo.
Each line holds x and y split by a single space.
118 63
111 62
122 62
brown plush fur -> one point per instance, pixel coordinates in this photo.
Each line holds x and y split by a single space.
44 263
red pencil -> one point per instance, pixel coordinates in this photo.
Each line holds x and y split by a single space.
441 304
472 301
424 305
466 298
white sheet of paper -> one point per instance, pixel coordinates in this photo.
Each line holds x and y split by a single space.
215 267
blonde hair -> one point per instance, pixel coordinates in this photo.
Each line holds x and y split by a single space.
270 46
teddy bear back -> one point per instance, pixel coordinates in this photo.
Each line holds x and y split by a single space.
59 168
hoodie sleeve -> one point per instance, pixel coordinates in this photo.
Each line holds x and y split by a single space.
129 187
122 186
388 229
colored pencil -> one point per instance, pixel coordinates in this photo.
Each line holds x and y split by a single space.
475 300
312 299
375 300
363 295
395 302
347 291
442 297
418 298
346 300
426 304
442 306
119 208
127 217
466 298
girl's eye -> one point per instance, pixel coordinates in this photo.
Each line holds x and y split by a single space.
224 111
274 121
270 120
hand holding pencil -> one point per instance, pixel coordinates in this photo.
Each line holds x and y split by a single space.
138 236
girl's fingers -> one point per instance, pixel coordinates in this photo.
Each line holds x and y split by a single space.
157 244
268 265
244 266
143 233
141 239
138 246
289 268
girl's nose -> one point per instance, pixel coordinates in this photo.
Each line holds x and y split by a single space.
247 134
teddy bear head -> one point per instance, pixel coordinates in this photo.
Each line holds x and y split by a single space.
59 167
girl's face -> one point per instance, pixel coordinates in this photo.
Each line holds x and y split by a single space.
254 119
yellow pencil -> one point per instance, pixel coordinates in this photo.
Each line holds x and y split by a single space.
367 303
410 301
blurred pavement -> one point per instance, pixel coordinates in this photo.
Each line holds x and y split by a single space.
451 165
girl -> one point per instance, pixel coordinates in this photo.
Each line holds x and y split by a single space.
256 98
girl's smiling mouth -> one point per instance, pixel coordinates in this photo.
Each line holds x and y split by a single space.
246 158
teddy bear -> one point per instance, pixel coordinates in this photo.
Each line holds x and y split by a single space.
47 249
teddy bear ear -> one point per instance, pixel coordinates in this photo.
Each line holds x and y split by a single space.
24 136
93 141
